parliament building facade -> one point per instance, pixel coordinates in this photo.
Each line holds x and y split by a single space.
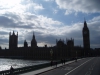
60 51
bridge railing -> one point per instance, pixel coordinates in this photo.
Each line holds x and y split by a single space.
25 69
28 68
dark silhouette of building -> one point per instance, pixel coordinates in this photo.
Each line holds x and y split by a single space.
70 48
62 50
25 44
33 42
13 40
86 39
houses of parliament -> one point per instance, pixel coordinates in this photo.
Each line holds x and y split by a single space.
60 51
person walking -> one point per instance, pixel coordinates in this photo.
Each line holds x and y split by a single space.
56 63
76 59
64 61
51 63
11 70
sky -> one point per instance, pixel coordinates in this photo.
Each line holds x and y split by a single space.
49 20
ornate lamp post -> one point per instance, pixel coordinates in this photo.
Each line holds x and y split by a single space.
51 52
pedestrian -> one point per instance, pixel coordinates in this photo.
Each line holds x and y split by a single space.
51 63
76 59
56 63
64 61
11 70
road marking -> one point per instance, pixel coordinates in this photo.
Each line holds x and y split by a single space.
78 66
88 73
91 68
93 65
68 68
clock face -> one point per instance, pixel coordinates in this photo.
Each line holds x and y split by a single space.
85 32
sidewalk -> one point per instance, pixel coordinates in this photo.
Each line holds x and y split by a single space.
44 69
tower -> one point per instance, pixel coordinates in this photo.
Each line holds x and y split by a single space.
33 42
70 47
13 40
25 44
86 39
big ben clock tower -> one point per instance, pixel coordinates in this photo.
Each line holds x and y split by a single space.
86 39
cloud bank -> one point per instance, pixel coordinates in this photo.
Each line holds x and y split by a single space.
22 16
84 6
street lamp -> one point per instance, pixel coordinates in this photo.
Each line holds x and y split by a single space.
76 56
51 52
84 54
88 54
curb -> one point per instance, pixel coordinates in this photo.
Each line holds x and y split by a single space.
46 71
55 68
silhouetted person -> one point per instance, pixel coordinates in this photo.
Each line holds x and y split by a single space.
56 63
76 59
11 70
51 63
62 61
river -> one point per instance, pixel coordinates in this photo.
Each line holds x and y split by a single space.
5 64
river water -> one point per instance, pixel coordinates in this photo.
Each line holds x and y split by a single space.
5 64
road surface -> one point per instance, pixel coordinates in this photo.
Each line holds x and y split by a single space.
87 66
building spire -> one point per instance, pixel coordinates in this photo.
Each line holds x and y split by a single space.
85 24
17 33
33 36
25 40
9 33
33 42
13 32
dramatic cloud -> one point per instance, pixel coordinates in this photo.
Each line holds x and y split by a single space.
23 17
48 30
84 6
48 0
19 6
31 22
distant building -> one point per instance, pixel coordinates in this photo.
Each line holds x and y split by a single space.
70 48
13 40
25 44
61 50
86 39
33 42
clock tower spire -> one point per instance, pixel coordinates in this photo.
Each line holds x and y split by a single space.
86 39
